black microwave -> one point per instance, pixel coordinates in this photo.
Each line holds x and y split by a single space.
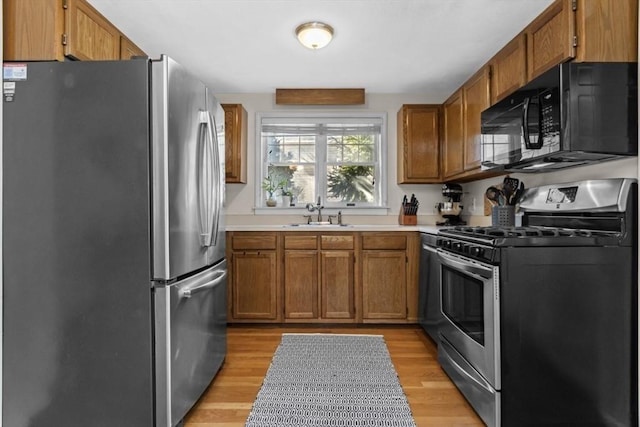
573 114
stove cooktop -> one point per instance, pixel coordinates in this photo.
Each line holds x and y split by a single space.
484 243
491 232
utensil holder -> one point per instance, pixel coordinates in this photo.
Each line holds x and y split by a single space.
503 216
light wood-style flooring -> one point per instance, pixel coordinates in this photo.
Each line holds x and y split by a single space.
433 398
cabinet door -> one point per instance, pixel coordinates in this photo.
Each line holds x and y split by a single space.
550 38
607 30
254 285
33 30
235 127
509 68
418 144
384 285
452 141
300 285
89 35
476 99
128 49
337 298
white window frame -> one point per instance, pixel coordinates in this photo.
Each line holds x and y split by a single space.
261 163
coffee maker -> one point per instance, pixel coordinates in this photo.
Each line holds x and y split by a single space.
451 209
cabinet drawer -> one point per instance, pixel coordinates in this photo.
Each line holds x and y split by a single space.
253 242
337 242
300 242
384 241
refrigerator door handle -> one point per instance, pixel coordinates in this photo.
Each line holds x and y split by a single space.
217 179
205 179
189 291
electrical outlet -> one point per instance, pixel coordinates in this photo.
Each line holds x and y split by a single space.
473 205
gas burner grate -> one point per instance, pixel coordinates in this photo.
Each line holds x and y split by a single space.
493 232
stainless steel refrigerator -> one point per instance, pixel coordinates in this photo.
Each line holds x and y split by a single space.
114 277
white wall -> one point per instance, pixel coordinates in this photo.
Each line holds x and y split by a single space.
240 197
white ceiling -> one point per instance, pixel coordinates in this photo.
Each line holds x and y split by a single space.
383 46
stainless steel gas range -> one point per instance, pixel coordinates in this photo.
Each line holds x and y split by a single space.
540 322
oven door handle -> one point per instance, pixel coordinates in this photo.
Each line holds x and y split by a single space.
474 269
429 249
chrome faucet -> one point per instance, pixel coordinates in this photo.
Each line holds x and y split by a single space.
317 207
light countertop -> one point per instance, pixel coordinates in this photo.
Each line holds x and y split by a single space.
431 229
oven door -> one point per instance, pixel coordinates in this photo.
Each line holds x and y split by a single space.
470 303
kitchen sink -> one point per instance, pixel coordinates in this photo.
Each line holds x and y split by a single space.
317 224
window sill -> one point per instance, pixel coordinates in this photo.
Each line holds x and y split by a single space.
301 210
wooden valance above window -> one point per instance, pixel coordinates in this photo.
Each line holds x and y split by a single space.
319 96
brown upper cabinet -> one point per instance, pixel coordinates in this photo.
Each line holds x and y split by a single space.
476 99
579 30
550 38
89 36
509 68
235 125
45 30
607 30
418 144
128 49
461 140
586 30
453 136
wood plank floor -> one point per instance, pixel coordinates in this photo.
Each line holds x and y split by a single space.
433 398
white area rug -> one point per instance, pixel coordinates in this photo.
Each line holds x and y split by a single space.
331 380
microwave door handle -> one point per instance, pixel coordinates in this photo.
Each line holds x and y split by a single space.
525 123
526 112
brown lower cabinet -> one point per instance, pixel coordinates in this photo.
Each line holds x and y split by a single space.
385 294
253 293
337 299
318 277
331 277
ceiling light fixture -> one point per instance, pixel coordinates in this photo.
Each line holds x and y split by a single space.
314 35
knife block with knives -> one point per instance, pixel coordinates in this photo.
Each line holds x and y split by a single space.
409 211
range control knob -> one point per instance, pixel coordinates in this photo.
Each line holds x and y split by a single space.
456 246
477 251
446 244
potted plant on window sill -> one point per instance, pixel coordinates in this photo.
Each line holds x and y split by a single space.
287 196
270 185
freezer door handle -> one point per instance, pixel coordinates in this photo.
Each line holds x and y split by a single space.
189 291
207 194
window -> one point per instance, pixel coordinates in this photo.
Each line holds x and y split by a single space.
337 158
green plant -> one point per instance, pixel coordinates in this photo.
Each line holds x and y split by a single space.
271 184
285 190
351 183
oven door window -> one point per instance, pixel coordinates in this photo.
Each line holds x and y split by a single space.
462 302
